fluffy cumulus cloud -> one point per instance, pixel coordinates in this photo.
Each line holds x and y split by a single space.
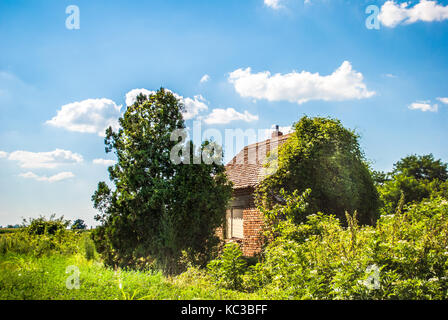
46 160
300 87
205 78
54 178
223 116
131 96
87 116
443 100
424 106
104 162
3 154
393 13
193 106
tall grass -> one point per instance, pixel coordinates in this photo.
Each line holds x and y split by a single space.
34 267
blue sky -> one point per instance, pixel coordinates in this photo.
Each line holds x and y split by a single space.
58 86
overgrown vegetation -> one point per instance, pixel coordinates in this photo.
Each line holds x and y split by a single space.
325 157
310 252
417 178
43 237
33 266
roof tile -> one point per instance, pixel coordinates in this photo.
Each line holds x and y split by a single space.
246 168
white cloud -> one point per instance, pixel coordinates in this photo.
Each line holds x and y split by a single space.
192 105
393 14
88 116
443 100
274 4
3 154
424 106
205 78
131 96
343 84
57 177
104 162
223 116
47 160
390 75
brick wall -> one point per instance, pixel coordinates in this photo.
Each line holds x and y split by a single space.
253 225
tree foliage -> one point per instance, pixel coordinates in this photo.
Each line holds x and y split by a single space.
417 178
79 224
423 167
325 157
45 226
157 209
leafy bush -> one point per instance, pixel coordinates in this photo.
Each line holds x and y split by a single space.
405 256
325 157
42 237
229 269
42 225
89 247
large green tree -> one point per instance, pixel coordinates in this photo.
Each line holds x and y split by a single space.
158 210
325 157
416 177
423 167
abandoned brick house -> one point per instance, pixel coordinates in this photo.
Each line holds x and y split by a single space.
244 222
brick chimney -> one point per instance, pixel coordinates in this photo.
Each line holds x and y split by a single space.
277 133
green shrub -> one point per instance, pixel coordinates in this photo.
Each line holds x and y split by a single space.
89 247
22 242
229 269
405 256
325 157
42 225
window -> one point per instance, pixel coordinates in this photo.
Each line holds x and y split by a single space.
234 223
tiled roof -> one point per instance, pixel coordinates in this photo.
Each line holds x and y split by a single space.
246 168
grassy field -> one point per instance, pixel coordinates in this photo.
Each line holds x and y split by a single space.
25 275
